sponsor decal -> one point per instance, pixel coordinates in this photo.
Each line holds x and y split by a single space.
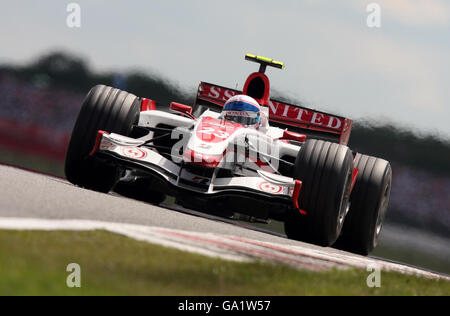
133 152
107 145
295 114
217 93
270 188
277 110
238 113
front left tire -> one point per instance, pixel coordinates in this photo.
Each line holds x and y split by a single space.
325 170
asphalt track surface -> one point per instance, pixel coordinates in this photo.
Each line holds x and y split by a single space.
31 195
25 194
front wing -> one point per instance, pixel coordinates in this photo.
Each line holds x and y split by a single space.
130 153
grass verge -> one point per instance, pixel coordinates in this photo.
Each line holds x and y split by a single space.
34 263
386 250
419 259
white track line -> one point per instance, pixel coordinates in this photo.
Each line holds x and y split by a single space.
219 246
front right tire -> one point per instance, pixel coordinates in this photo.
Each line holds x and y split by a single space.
104 108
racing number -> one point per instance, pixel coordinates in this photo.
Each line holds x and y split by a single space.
211 131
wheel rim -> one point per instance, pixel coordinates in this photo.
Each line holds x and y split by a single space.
345 205
343 214
382 213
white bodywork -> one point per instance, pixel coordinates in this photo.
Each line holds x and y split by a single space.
270 134
265 143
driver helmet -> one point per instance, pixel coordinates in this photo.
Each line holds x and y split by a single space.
242 109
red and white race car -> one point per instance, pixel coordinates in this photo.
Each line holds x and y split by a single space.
235 152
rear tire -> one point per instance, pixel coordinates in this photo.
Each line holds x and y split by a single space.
325 170
107 109
369 202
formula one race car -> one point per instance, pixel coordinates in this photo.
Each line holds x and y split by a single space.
235 152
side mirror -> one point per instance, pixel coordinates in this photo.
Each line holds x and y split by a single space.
288 135
181 108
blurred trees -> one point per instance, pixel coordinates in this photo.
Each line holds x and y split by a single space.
72 73
63 70
404 147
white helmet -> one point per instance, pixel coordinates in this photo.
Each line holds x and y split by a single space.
242 109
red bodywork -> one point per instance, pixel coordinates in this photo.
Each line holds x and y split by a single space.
265 99
207 161
182 108
97 142
147 105
281 112
296 196
215 131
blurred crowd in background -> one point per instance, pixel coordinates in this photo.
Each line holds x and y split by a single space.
421 199
33 104
40 102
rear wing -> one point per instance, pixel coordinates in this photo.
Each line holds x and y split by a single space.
313 123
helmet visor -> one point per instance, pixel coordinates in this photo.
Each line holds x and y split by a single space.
246 118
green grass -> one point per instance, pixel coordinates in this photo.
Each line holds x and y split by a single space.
417 258
384 250
34 263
